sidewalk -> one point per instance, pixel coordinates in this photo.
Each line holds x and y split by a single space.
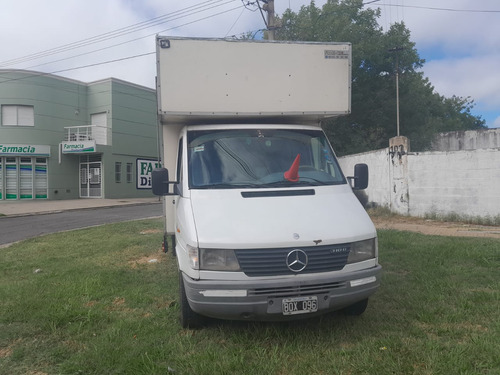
35 207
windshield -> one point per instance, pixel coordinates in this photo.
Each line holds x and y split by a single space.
260 158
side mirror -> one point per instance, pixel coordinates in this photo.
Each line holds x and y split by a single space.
360 176
159 181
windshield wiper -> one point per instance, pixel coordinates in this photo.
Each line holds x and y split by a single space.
315 181
225 185
250 185
285 183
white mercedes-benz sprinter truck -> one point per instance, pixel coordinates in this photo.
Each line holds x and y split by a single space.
264 223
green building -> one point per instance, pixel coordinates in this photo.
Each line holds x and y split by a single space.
66 139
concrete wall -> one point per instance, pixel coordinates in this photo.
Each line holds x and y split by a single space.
436 182
463 182
467 140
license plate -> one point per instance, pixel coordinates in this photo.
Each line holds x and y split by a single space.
299 305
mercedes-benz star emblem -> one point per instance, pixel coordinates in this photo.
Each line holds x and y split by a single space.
296 260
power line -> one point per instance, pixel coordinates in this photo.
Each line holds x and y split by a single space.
78 67
441 9
109 35
237 19
136 39
123 58
185 12
102 63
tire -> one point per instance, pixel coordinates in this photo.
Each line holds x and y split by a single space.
357 308
188 318
173 242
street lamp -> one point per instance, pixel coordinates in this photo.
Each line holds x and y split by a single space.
396 50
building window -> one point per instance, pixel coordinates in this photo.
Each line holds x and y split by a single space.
40 183
100 130
25 178
118 172
11 178
130 168
18 115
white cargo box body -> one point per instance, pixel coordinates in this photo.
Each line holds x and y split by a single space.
220 80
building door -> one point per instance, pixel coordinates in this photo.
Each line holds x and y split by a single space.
90 176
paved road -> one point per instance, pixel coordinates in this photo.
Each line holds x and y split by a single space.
13 229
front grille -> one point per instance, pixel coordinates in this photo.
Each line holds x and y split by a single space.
272 262
296 291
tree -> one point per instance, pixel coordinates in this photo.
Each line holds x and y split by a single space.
423 112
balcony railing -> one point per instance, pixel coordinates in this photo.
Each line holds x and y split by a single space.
87 133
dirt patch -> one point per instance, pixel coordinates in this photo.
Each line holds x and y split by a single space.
157 257
436 228
118 301
150 231
5 352
91 303
75 345
151 259
119 305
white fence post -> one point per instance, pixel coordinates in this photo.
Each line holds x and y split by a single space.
398 175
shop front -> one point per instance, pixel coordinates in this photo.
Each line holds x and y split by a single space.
80 141
65 139
23 171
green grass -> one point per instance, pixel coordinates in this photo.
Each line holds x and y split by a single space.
468 219
97 306
385 213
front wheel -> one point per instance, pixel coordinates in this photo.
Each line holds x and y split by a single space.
189 318
357 308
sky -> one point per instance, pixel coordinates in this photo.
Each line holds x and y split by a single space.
89 40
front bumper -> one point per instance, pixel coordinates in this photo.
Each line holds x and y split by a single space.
261 299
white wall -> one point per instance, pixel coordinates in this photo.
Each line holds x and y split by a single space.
463 182
467 140
455 182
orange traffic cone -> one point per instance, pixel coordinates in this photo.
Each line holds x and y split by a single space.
293 173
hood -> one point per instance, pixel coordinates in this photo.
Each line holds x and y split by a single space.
330 215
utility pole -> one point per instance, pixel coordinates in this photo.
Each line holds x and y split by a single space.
271 20
396 50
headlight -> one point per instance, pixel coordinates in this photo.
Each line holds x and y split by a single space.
193 257
362 250
218 260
